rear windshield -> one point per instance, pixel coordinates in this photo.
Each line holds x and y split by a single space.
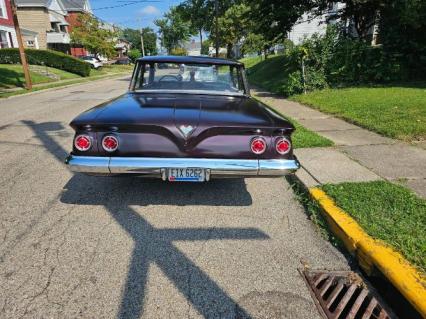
189 78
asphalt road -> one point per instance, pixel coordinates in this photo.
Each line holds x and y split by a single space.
73 246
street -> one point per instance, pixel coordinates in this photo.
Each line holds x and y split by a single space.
73 246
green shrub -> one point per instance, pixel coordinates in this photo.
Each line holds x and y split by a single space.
332 59
179 51
205 47
134 54
50 58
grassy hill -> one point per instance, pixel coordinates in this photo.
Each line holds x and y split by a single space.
270 74
12 75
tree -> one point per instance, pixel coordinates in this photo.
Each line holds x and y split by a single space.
149 39
275 18
91 35
174 29
254 43
134 54
233 26
200 14
205 46
195 12
361 14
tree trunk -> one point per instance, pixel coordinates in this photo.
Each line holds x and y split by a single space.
229 53
201 41
376 30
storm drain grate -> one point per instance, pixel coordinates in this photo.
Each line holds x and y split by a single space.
344 295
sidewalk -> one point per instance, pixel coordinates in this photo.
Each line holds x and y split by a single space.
358 155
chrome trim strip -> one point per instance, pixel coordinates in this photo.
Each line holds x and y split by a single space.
88 164
157 166
275 167
154 165
196 92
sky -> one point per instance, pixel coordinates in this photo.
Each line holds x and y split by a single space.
132 13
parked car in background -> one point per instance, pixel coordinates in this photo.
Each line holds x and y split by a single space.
123 61
184 128
94 62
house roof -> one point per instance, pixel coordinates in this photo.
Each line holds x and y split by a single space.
32 3
76 5
56 17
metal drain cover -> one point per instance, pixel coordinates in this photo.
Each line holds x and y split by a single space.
344 295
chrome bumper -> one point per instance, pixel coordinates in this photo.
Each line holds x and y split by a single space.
157 167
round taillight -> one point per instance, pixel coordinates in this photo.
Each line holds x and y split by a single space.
110 143
283 146
83 142
258 145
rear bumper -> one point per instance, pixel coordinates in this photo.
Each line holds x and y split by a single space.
157 167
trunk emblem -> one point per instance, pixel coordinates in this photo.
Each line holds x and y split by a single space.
186 130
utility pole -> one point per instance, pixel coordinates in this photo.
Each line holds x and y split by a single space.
216 9
28 83
143 47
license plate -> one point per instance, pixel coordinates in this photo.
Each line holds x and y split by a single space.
186 174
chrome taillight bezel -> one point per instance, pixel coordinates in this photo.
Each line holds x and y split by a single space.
281 140
89 139
256 139
110 150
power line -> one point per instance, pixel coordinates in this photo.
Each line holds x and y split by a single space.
125 4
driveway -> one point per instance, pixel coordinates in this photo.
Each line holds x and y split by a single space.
73 246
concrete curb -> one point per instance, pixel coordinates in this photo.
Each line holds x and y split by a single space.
372 254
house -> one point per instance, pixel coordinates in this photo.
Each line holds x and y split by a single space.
58 37
7 30
44 24
122 48
74 8
307 25
193 47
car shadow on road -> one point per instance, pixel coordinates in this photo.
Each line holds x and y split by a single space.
90 190
156 245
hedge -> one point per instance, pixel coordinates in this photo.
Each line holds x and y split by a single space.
50 58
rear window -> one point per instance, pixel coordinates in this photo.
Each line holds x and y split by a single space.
189 78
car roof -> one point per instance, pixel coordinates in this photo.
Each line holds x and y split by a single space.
188 59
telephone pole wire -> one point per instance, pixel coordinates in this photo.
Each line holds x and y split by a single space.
28 83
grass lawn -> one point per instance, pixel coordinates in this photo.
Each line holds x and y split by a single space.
303 137
269 73
12 75
387 212
112 69
397 112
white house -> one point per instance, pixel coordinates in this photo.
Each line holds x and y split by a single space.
307 26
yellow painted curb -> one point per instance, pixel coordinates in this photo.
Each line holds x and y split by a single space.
374 254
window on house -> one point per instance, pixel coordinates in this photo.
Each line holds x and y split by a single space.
3 12
30 43
54 26
3 40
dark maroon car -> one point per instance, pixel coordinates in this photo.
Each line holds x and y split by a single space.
192 119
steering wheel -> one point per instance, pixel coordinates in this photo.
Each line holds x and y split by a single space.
173 77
